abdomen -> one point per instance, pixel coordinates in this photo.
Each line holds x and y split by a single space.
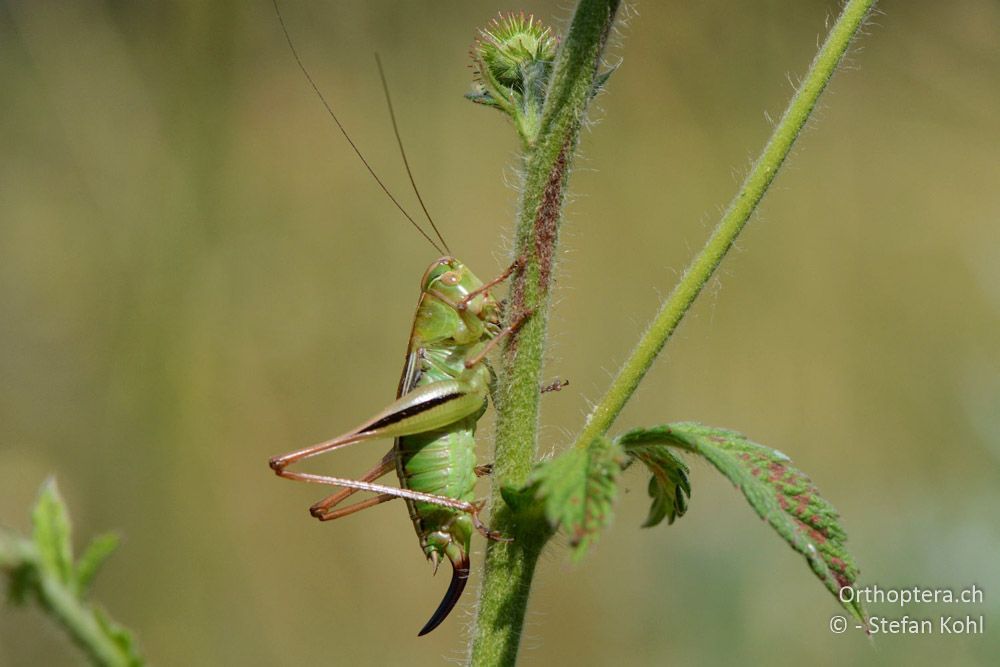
442 463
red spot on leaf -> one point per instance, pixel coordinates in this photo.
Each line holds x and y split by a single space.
803 499
817 537
837 564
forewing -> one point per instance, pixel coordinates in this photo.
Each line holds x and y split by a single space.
411 373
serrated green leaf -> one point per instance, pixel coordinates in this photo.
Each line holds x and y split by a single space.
51 534
93 558
780 493
578 489
669 486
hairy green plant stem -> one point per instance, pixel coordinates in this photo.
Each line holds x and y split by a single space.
733 220
61 602
510 565
81 624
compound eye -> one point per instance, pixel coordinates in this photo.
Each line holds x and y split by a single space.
450 278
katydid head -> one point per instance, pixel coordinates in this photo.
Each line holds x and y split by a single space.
453 280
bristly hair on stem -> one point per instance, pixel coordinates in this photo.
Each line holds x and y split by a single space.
547 106
575 491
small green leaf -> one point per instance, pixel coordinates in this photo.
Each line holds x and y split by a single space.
601 78
780 493
51 534
93 558
41 569
22 580
482 96
668 484
578 489
518 499
122 638
17 559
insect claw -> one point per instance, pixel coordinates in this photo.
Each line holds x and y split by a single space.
435 559
517 265
494 535
557 385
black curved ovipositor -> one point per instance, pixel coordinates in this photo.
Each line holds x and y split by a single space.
459 575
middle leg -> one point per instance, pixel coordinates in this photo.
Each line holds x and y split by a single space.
321 510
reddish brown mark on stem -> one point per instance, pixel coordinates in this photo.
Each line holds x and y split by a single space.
545 234
547 219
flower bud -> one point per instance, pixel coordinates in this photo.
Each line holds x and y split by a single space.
512 44
513 57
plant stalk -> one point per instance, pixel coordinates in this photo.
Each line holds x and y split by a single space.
81 624
734 219
510 566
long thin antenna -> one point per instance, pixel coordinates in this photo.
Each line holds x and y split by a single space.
402 152
329 110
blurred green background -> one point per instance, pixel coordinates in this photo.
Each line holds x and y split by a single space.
197 274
